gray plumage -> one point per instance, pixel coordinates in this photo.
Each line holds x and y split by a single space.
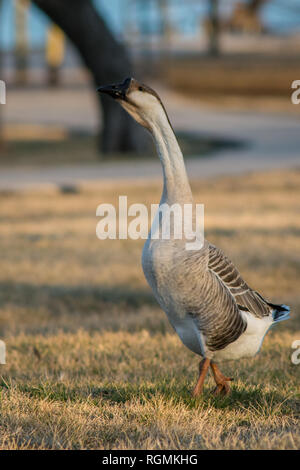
213 310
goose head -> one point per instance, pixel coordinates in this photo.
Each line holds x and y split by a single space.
139 100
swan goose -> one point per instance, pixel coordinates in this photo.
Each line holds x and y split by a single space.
212 309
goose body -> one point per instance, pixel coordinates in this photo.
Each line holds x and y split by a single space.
200 306
212 309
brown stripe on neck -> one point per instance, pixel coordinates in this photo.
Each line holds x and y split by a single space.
135 85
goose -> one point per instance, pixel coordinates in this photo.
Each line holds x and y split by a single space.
212 309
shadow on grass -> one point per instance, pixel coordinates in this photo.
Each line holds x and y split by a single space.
176 394
197 144
256 399
229 233
253 398
70 150
73 298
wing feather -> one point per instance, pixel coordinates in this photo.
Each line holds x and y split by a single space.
245 297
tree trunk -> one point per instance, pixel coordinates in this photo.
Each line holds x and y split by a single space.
108 62
214 48
255 5
21 42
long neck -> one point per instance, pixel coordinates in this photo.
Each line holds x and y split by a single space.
176 185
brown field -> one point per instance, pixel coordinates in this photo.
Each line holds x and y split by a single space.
248 82
239 74
92 362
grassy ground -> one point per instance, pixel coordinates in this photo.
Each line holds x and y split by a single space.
91 359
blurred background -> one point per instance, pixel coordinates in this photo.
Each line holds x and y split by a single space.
223 68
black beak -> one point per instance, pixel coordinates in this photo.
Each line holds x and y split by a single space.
116 91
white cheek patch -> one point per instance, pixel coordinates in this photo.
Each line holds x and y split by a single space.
144 107
133 111
144 100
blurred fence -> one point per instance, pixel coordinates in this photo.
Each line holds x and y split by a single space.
159 24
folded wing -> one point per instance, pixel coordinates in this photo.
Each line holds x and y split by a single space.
246 298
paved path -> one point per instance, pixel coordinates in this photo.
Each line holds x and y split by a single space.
273 141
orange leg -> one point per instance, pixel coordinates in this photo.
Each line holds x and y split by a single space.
203 368
221 381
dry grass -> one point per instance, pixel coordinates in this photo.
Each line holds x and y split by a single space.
91 359
246 82
237 74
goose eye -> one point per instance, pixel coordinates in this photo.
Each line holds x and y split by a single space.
141 88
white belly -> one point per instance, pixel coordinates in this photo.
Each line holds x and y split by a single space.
249 343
